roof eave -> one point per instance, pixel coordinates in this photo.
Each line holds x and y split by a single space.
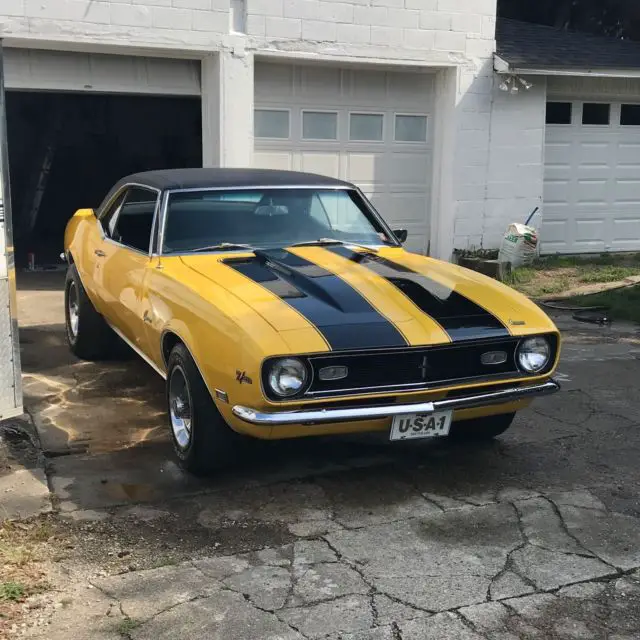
502 66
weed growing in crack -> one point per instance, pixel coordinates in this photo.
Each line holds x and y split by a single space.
11 591
127 625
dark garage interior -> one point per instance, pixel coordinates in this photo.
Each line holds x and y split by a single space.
67 149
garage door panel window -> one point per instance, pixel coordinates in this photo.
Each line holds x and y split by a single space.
131 224
630 115
596 113
559 112
272 123
366 127
410 128
319 125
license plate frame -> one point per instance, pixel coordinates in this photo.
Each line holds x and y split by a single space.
421 426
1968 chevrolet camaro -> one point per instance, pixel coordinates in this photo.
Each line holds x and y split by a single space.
280 304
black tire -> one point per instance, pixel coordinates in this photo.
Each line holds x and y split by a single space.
209 444
481 429
89 337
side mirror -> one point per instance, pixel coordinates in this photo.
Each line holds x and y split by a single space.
401 235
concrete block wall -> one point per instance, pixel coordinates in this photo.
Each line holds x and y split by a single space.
514 176
411 29
404 29
455 35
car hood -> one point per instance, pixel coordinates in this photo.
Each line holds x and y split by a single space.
352 299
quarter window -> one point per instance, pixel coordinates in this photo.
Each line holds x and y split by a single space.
109 218
319 125
271 123
596 113
559 112
366 127
131 223
411 128
630 115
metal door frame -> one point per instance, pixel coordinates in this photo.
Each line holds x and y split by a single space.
6 222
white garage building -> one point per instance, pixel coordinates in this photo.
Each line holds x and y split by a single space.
586 95
401 97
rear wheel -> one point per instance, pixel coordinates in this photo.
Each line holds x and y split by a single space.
481 429
202 440
88 335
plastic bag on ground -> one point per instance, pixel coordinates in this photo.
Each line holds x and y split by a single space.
519 245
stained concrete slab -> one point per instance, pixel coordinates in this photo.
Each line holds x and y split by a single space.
23 494
143 595
445 561
532 536
343 615
222 616
442 625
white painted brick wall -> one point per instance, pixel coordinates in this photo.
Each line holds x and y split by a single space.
514 175
395 28
436 33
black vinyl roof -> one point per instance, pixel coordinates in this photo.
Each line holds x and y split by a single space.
206 178
532 46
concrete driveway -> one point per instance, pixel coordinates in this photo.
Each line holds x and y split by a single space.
534 536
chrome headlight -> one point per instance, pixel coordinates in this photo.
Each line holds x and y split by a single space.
534 354
287 377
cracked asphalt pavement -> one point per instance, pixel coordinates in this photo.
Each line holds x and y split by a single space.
536 535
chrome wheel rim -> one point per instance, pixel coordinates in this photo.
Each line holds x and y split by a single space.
180 407
74 312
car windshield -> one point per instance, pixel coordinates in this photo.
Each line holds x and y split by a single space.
267 218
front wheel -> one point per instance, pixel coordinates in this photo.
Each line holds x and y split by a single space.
202 440
88 335
480 429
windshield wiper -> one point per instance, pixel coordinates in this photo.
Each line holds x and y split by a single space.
224 246
327 242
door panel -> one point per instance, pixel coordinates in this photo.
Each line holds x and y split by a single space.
122 258
122 275
87 263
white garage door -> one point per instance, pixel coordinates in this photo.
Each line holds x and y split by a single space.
372 128
100 73
592 177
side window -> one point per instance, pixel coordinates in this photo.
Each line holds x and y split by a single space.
132 221
108 220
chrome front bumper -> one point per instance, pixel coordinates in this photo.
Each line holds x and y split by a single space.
323 416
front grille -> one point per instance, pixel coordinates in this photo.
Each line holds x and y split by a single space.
414 368
421 368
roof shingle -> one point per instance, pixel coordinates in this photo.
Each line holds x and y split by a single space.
532 46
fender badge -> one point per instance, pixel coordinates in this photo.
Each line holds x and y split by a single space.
516 323
241 377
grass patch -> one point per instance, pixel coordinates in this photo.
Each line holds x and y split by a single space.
25 547
554 275
126 626
603 259
607 274
12 591
164 561
521 276
624 304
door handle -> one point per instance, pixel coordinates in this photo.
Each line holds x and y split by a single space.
100 253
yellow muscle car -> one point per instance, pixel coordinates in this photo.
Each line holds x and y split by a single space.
279 304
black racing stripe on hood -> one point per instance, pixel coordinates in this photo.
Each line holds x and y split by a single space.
459 316
339 312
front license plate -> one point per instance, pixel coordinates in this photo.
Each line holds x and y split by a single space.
416 425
